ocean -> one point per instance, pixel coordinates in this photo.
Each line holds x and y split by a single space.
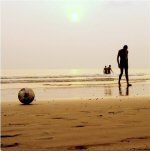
72 83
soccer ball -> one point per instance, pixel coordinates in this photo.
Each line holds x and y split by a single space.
26 95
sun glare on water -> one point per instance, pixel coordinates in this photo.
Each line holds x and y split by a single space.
75 71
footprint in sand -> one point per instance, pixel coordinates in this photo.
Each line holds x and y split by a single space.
62 118
39 115
134 138
140 149
89 145
9 145
45 138
79 126
84 122
112 112
4 136
57 118
78 147
85 111
16 124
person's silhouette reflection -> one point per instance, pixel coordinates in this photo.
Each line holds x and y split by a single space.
121 92
127 90
108 91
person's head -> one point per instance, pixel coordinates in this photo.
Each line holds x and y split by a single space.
125 47
109 66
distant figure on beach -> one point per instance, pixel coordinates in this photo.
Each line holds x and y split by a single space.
109 70
105 70
122 60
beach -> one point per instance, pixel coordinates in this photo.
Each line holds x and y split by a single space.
64 59
96 124
75 111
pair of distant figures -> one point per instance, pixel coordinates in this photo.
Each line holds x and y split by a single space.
107 70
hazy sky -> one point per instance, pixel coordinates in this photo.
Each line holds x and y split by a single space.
74 33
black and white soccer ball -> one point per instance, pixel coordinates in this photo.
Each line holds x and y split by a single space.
26 95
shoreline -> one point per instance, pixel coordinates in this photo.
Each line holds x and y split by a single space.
92 92
108 123
77 99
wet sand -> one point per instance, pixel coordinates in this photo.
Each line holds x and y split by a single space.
85 92
96 124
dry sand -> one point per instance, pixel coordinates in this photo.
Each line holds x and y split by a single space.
96 124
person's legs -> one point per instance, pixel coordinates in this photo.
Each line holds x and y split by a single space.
121 72
127 77
126 73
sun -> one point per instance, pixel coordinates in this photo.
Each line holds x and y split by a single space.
74 14
74 17
74 11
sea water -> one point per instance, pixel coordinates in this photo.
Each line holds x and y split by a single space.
73 83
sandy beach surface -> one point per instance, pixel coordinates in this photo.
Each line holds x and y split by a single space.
110 123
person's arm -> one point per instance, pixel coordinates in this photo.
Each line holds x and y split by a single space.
112 71
118 59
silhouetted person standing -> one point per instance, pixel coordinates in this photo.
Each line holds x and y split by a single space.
122 59
109 69
105 70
